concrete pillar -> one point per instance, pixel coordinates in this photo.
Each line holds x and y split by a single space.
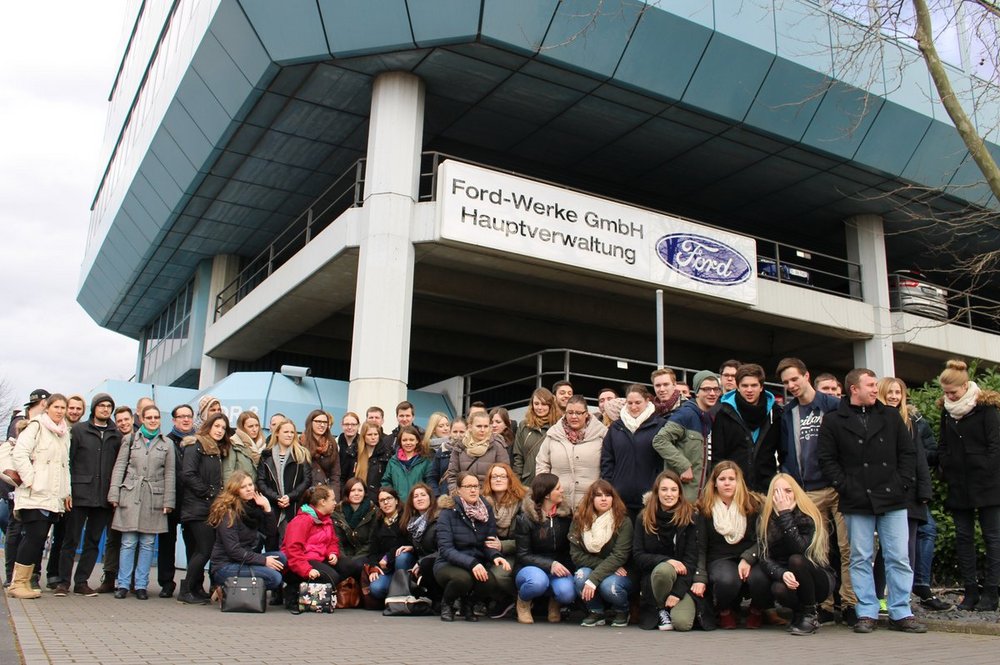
866 246
225 268
382 311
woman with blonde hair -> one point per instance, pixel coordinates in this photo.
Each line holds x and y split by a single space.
250 432
543 413
600 544
969 459
793 552
479 449
284 474
437 438
243 453
374 453
727 537
347 446
665 554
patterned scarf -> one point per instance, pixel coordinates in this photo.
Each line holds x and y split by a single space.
476 511
575 436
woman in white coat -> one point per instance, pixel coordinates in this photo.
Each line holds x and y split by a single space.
572 450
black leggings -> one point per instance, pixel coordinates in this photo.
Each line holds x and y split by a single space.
34 533
204 540
814 584
350 566
458 582
728 589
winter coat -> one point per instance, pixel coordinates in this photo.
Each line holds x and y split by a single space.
922 491
385 540
402 476
377 463
712 546
239 542
354 541
92 454
461 461
427 545
651 549
41 458
969 455
921 430
614 555
238 459
755 451
872 467
577 465
681 443
542 540
326 469
437 477
202 477
462 540
178 468
628 460
142 484
309 538
297 478
524 451
807 474
348 452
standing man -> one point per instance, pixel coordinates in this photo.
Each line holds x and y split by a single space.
93 449
75 409
404 418
866 453
727 373
747 428
123 420
666 398
563 390
798 456
166 562
685 442
828 384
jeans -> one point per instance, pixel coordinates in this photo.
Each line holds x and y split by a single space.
532 582
272 578
965 548
893 534
926 537
380 587
127 557
613 590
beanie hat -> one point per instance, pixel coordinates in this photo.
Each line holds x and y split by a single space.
701 377
613 408
203 405
98 398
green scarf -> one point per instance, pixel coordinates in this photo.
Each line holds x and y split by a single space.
149 436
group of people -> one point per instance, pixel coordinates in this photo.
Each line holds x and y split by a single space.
654 509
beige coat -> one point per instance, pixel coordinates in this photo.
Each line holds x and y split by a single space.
577 465
461 461
42 460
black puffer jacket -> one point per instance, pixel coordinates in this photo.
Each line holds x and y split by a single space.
92 454
669 542
540 541
789 532
462 540
240 542
354 541
297 479
969 455
201 476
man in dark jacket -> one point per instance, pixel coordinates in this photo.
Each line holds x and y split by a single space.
183 426
93 449
747 428
866 453
798 456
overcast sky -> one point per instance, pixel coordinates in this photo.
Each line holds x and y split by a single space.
57 63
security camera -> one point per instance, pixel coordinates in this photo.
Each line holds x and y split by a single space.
296 372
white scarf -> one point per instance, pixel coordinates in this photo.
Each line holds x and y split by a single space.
964 404
632 424
729 522
599 533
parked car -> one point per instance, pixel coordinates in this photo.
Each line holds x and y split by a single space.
768 268
909 291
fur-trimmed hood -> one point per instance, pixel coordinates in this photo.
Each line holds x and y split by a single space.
530 510
209 446
986 398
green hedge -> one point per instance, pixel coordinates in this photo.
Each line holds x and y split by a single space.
925 399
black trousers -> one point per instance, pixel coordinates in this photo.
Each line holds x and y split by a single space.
814 584
90 523
728 589
350 566
166 561
458 582
55 551
204 540
34 532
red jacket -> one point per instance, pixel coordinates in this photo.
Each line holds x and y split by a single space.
309 539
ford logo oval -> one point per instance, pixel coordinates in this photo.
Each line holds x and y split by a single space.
703 259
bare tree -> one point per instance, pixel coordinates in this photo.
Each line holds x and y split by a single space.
7 404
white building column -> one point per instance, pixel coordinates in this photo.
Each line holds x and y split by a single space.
225 268
866 246
382 311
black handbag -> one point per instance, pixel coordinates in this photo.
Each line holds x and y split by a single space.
244 594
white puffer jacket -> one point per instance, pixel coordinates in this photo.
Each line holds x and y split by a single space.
42 460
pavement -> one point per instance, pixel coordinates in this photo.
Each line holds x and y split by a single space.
105 630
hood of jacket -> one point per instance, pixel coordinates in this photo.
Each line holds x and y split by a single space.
530 510
730 399
688 416
209 446
594 429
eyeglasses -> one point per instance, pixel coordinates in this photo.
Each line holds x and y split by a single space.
498 476
184 417
710 390
576 413
469 487
387 499
321 422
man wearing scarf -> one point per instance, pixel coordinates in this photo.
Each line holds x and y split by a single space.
747 428
182 426
685 442
667 398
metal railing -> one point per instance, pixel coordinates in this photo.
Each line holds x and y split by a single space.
949 306
809 269
345 192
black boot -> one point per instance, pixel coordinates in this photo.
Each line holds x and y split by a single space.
469 609
447 610
804 621
971 598
278 596
988 600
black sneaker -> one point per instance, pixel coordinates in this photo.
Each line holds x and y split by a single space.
121 593
865 625
825 617
935 604
849 616
906 625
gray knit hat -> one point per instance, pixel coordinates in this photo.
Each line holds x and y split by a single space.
700 377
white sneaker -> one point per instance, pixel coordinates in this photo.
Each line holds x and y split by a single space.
664 623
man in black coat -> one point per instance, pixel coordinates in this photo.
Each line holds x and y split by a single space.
866 453
93 449
747 428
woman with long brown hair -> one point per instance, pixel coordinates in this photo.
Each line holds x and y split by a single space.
324 455
504 493
543 413
600 543
500 424
354 520
665 553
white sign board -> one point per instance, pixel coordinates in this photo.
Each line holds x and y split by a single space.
520 216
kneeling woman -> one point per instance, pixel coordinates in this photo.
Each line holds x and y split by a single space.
465 559
794 545
388 550
419 521
600 544
240 515
541 535
665 552
311 545
728 540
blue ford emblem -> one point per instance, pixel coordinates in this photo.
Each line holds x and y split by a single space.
703 259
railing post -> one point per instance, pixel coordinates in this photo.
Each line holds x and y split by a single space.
539 369
968 309
566 365
270 259
309 225
467 397
660 336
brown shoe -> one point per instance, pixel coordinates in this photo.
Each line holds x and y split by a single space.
773 618
84 590
61 590
107 586
555 611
